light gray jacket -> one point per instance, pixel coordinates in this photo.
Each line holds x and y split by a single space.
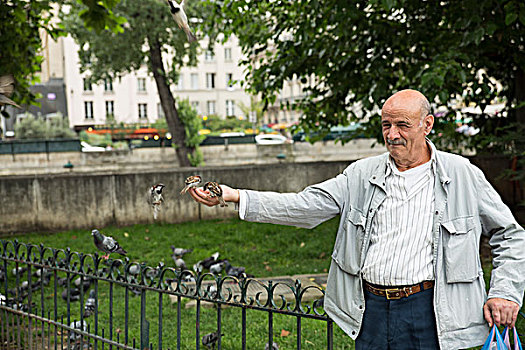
466 206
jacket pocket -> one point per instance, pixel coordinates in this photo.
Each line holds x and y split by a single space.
347 250
460 250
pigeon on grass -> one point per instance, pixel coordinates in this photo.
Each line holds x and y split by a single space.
107 244
89 306
180 252
210 340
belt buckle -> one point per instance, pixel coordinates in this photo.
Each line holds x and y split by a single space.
393 290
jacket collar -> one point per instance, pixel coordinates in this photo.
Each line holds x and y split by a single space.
384 168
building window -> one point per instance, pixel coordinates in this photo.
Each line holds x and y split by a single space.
108 84
110 108
194 81
160 111
195 105
210 80
141 84
209 56
211 107
180 82
143 111
87 85
88 110
227 54
229 108
229 80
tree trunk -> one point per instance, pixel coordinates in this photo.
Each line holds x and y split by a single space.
520 95
175 125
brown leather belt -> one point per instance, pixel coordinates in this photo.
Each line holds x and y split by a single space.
395 293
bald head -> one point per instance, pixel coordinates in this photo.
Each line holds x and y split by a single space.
411 101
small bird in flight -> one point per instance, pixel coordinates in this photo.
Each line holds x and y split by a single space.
107 244
192 181
177 12
155 198
7 86
215 191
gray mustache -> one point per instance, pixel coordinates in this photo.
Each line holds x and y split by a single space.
395 142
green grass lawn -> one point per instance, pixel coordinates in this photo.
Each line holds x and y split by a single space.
264 249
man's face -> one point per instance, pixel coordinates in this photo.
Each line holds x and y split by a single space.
404 132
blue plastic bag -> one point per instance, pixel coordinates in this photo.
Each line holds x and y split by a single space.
494 341
506 339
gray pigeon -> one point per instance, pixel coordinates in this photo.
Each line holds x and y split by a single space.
180 252
217 267
178 14
179 263
81 326
274 346
89 306
74 294
107 244
209 340
7 86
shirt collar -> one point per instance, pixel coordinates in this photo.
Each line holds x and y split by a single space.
391 164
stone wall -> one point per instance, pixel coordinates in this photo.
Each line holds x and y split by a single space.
54 202
83 200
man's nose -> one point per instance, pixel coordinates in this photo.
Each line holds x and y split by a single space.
393 133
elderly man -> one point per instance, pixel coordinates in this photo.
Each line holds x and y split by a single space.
405 270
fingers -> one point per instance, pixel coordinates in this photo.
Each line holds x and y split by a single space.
501 312
202 197
486 313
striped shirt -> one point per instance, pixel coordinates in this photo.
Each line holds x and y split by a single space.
400 251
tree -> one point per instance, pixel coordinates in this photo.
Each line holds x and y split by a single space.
149 37
357 53
21 22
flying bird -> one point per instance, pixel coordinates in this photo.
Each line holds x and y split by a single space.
215 191
178 14
7 86
107 244
192 181
155 198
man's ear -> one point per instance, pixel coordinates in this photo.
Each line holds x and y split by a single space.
428 123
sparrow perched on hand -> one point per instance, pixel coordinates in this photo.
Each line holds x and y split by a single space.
215 191
192 181
7 86
107 244
155 198
178 14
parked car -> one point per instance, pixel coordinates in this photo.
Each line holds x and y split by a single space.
271 139
86 147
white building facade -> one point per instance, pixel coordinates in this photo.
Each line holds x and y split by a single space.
133 98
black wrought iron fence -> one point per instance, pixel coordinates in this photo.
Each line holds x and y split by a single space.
118 304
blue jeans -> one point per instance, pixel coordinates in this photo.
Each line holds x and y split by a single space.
402 324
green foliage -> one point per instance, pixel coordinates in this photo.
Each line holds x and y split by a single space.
216 124
96 139
22 21
31 127
112 54
192 125
357 53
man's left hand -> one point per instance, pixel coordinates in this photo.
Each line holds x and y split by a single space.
501 311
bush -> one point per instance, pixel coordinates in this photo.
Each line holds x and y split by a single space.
32 127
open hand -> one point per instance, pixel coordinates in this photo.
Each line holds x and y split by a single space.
228 194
